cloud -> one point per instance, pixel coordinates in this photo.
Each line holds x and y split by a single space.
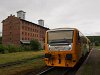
82 14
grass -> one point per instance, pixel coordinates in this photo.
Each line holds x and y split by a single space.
34 65
12 57
21 69
97 47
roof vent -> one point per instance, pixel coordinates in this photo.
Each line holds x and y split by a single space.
41 22
21 14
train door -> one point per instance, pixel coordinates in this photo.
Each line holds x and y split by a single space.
79 43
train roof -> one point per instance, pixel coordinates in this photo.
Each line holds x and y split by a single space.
56 29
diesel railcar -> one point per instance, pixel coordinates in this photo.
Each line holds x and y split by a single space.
65 46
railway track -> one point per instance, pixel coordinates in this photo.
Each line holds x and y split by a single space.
19 62
45 71
64 71
54 71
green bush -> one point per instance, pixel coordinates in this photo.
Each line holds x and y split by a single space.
3 49
0 40
97 43
35 45
20 48
26 47
11 48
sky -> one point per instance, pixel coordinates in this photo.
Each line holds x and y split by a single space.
81 14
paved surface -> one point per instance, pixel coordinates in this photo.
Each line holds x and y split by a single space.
92 65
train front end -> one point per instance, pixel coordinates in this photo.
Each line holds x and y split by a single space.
59 48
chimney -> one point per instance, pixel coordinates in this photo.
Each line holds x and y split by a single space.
21 14
41 22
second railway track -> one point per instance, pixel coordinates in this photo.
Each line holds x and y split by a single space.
19 62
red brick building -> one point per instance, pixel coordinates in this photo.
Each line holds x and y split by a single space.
16 31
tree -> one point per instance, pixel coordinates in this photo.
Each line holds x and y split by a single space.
0 40
35 45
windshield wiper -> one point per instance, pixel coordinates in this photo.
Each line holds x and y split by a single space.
54 44
59 41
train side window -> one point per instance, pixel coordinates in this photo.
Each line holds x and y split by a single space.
78 38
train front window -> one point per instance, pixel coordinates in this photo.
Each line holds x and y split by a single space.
60 38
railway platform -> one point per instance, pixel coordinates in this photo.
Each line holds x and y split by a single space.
91 66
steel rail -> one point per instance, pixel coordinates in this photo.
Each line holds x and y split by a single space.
45 71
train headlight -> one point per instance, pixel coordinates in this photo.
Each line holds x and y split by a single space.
60 47
68 56
51 47
70 47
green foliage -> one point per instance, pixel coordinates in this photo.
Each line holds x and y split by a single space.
2 49
95 40
97 43
11 48
0 40
25 47
20 49
35 45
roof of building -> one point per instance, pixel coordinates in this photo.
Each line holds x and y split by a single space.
21 11
25 41
26 21
34 23
56 29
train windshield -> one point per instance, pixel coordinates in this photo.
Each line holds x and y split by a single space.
60 37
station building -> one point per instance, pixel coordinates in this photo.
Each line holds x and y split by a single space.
17 30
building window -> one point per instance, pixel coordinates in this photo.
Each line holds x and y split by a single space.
22 38
25 38
25 28
25 33
33 30
31 34
10 39
17 27
10 27
28 34
22 33
28 28
22 27
10 33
